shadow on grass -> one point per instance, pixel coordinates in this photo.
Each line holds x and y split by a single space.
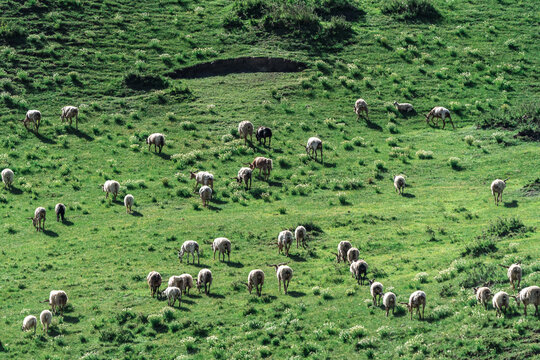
408 195
182 308
45 139
15 191
296 294
117 202
163 156
214 208
67 222
50 233
71 319
235 264
216 296
275 183
329 165
297 257
373 125
79 134
218 201
186 301
136 214
511 204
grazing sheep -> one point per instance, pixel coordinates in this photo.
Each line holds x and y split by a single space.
343 248
529 296
45 318
399 184
223 245
29 322
244 174
284 274
501 302
497 188
156 139
359 271
255 280
361 106
204 278
111 186
190 247
285 240
300 234
187 282
205 193
176 281
173 294
482 295
39 218
263 164
376 289
441 113
128 202
203 178
68 113
352 255
34 117
404 107
514 274
417 299
154 282
7 178
57 300
262 133
60 211
314 144
389 302
245 128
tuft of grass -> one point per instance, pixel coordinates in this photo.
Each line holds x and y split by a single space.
455 163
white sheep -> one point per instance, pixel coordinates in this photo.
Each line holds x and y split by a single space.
501 302
376 289
404 107
497 188
203 178
284 274
154 280
441 113
482 295
361 106
60 211
314 144
352 255
284 242
263 164
45 318
204 278
245 128
57 300
68 113
7 178
244 174
514 274
39 218
173 294
529 296
156 139
189 247
34 117
389 302
359 271
255 280
205 193
111 186
176 281
342 249
29 322
300 234
417 299
399 184
223 245
128 202
187 283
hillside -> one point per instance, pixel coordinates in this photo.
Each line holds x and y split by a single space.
123 64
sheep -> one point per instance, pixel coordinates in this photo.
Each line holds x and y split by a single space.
173 294
263 164
376 289
176 281
361 106
501 302
352 255
45 318
68 113
441 113
111 186
57 300
389 302
7 178
204 278
60 211
285 240
399 184
300 234
34 117
39 218
404 107
203 178
359 271
417 299
154 282
482 295
190 247
343 248
314 144
29 322
187 283
244 174
514 274
156 139
529 296
128 202
255 280
245 128
262 133
497 188
205 193
223 245
284 274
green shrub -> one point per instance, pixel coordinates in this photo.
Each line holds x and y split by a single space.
480 246
423 154
455 163
411 10
508 227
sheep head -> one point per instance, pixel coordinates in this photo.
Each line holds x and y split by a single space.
192 174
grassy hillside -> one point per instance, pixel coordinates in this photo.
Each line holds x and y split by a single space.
444 236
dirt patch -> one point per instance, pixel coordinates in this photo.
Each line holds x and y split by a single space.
532 189
237 65
528 135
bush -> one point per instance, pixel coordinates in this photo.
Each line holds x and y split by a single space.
469 139
137 81
411 10
455 163
480 246
507 227
12 34
423 154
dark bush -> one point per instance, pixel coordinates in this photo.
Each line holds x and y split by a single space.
482 245
12 34
524 117
478 275
503 227
411 10
137 81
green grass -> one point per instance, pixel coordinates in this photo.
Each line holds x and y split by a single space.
444 236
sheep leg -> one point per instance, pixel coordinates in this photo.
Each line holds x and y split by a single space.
387 309
450 119
280 284
536 309
423 309
215 255
525 309
228 257
519 282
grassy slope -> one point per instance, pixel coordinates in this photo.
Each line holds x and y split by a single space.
102 259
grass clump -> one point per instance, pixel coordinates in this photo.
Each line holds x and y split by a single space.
480 246
424 154
455 163
508 227
412 10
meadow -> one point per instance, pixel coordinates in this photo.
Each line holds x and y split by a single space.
113 59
